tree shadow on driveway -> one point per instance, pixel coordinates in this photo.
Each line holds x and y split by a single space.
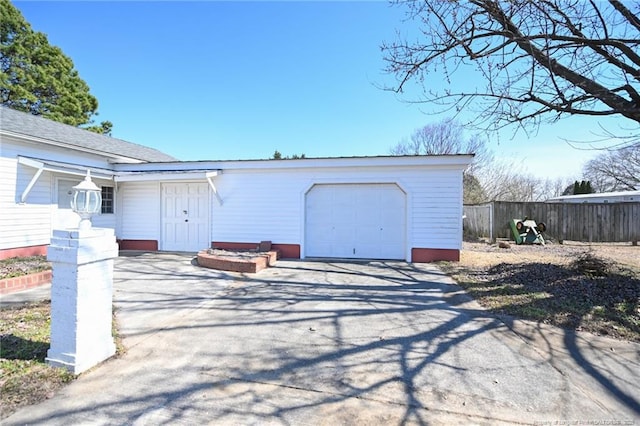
568 297
331 342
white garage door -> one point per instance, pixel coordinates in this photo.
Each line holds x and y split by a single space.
359 221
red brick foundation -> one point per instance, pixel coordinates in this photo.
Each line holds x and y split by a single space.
145 245
24 251
425 255
287 251
25 282
257 263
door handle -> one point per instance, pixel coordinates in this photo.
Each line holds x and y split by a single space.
186 220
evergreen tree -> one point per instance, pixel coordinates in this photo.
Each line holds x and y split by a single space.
583 187
588 188
39 78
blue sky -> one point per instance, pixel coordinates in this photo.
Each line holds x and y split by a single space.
238 80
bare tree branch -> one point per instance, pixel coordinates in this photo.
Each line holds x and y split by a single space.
540 59
630 16
448 137
617 170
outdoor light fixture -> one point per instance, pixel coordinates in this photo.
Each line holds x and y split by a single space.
86 201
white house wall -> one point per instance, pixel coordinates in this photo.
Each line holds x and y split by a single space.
269 204
436 212
261 200
139 211
24 225
258 206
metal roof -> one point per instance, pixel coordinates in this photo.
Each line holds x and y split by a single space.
65 168
597 195
47 131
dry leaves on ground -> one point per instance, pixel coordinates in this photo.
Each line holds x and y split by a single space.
593 288
18 266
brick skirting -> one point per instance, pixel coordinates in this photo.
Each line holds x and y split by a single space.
25 282
145 245
426 255
24 251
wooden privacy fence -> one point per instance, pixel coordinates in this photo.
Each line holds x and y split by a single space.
608 222
478 221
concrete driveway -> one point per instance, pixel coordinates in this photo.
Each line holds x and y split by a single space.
335 343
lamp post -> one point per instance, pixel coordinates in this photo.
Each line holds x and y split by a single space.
86 201
82 286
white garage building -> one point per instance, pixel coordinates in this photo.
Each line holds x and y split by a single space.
398 207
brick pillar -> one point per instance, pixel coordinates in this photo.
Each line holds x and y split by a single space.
81 297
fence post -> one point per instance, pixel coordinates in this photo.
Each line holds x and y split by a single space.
491 233
561 219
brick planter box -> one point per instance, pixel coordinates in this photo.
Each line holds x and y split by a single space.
25 282
248 263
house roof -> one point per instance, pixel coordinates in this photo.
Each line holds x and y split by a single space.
447 160
598 195
43 130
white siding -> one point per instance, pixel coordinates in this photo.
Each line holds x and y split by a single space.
139 210
29 224
23 225
261 200
436 209
258 206
269 204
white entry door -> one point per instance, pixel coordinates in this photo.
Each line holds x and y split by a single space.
185 217
63 216
359 221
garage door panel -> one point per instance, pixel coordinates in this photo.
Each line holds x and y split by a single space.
355 221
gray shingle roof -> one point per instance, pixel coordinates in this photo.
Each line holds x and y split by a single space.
35 126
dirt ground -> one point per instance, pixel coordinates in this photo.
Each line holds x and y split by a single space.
586 287
484 255
15 267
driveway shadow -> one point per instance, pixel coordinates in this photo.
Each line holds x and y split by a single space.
379 331
333 342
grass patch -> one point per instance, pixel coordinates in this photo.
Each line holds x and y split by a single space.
25 379
588 294
19 266
24 340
